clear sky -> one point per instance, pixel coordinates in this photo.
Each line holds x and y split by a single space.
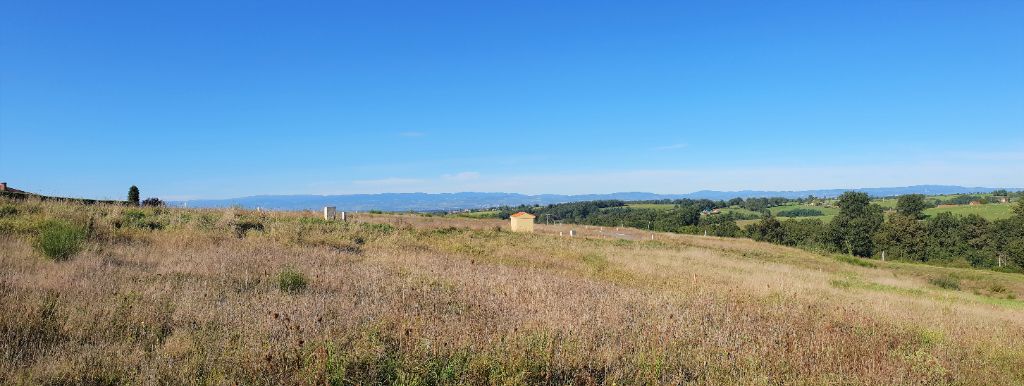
201 100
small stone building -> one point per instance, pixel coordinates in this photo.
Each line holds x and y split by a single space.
522 222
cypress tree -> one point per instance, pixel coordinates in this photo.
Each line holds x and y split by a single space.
133 195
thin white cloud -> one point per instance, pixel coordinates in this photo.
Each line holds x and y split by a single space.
390 182
990 156
675 146
412 134
464 176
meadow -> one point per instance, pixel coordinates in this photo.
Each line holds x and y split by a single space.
987 211
175 296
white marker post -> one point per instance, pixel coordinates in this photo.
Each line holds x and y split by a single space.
329 213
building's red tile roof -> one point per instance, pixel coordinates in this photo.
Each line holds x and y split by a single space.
523 215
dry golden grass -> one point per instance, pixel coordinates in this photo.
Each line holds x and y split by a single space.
428 300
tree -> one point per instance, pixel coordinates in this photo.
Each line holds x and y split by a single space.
721 225
807 232
768 229
133 195
911 205
1006 239
975 232
945 237
851 231
903 237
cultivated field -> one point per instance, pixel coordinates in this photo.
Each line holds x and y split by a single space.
175 296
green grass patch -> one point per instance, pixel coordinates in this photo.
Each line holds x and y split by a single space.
858 261
988 211
595 261
291 281
60 240
853 282
949 282
138 219
740 211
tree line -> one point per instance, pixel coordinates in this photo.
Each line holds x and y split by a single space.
861 229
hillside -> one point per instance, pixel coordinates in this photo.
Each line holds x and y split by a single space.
157 295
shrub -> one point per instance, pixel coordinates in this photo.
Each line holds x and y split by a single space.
800 212
244 226
947 282
8 211
291 281
152 201
60 240
135 218
379 227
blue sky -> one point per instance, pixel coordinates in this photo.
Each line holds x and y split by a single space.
197 100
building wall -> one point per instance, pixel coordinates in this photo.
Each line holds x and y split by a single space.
522 224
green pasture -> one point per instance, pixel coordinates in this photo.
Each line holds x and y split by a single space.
988 211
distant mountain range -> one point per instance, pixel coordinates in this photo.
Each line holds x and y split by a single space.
475 200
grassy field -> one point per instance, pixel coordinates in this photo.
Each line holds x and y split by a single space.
988 211
740 211
173 296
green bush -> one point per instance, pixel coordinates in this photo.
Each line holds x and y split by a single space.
291 281
8 211
244 226
60 240
800 212
947 282
138 219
